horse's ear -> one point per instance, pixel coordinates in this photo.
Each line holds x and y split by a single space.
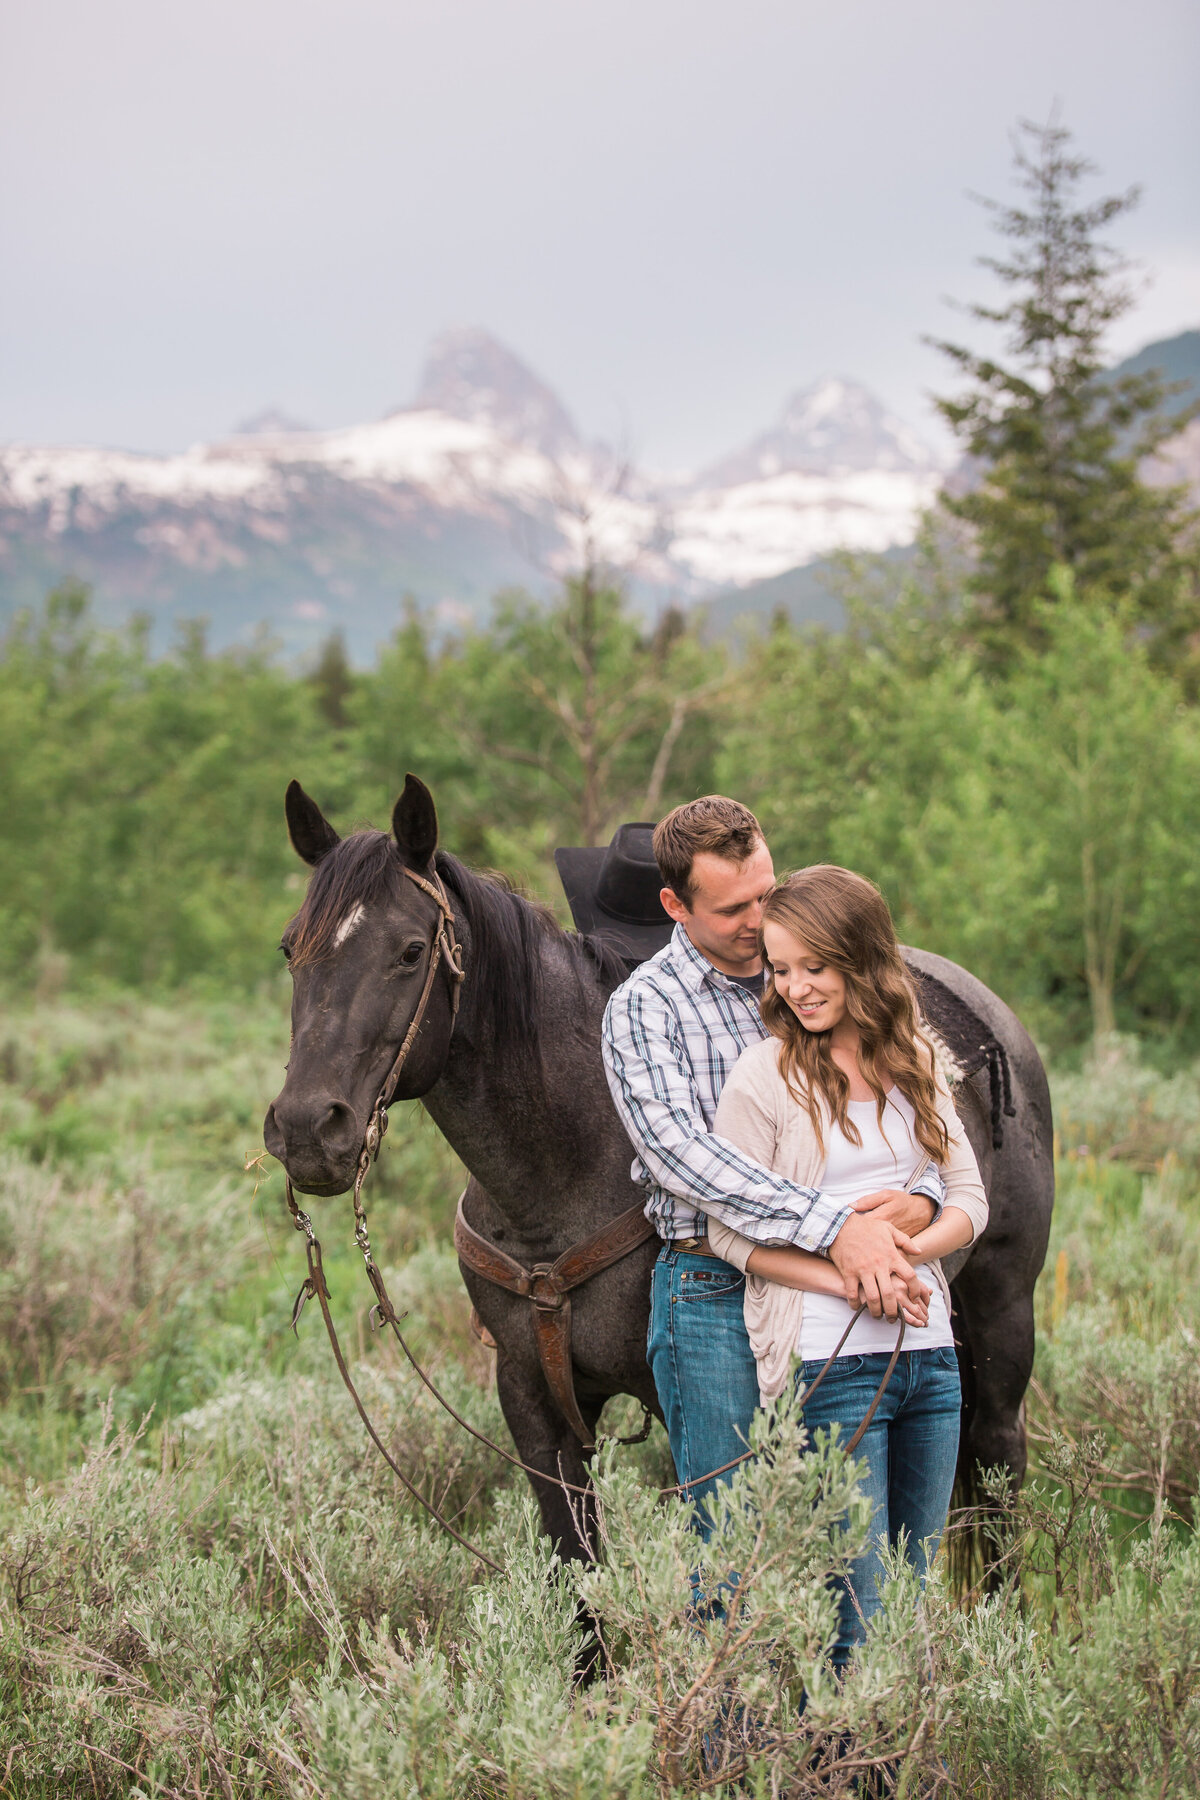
414 823
310 831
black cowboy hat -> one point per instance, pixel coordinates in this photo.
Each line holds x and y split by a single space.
613 891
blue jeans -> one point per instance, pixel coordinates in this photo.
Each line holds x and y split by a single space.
911 1449
702 1365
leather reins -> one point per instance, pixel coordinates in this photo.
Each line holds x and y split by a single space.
545 1285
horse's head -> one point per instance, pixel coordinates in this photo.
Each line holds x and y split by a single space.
359 951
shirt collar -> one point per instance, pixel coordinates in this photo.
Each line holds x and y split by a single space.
692 966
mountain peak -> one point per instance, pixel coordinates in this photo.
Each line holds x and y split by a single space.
470 375
271 422
835 426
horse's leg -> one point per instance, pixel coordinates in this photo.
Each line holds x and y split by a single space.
998 1311
546 1442
994 1323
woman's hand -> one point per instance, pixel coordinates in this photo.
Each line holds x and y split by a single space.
914 1308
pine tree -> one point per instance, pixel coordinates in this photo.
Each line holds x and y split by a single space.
333 680
1056 442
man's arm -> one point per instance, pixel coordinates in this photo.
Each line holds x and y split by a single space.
654 1091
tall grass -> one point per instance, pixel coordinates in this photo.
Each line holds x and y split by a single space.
209 1583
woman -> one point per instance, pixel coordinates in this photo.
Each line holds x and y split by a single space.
845 1095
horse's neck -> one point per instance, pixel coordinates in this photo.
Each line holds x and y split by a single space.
529 1135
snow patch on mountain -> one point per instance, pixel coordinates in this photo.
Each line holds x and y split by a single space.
34 477
749 532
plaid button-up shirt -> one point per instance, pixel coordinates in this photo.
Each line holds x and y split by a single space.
672 1033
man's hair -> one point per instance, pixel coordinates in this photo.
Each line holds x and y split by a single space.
713 824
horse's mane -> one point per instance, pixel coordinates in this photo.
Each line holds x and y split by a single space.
509 934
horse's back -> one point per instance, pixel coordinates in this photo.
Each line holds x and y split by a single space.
1019 1171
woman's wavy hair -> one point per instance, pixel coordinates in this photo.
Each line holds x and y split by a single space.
844 921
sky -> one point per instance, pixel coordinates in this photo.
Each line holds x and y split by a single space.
677 211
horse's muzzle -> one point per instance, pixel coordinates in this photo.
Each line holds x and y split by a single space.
317 1140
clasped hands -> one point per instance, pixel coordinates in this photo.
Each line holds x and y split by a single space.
871 1253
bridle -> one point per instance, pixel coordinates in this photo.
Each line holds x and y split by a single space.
444 947
445 950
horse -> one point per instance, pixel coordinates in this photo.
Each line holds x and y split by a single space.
508 1066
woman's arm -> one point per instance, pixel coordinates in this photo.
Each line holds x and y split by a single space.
816 1275
964 1185
951 1231
795 1269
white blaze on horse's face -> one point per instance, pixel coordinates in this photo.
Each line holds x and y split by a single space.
349 924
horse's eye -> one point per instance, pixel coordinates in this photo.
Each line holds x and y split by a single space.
287 954
411 955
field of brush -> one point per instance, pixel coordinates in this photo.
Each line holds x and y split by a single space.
211 1585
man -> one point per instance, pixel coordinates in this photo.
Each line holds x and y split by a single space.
672 1033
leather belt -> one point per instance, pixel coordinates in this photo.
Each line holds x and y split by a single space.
694 1246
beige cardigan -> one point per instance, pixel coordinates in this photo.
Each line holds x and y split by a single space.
757 1113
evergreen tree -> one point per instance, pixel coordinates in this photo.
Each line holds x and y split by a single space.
1055 440
332 681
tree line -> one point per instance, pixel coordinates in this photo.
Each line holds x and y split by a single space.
1007 740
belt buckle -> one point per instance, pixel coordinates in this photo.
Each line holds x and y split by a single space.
691 1243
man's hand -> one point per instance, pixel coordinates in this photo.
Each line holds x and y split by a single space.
909 1213
871 1254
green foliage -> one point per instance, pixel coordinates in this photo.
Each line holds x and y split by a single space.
141 831
137 1254
1105 804
549 728
839 728
332 681
1042 830
1055 441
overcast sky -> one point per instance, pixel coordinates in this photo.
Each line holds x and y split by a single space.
676 210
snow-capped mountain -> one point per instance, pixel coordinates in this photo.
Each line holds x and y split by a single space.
835 427
835 472
481 483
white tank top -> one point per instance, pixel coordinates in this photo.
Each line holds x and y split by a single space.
851 1170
